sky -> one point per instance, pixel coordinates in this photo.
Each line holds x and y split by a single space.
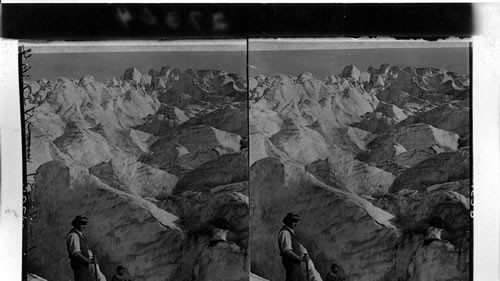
320 62
323 62
104 65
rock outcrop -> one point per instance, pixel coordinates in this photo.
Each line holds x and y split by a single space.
154 160
439 261
117 218
413 137
369 160
351 71
132 74
225 261
442 168
278 187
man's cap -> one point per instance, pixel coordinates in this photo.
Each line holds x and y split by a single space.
80 220
221 223
120 267
436 221
291 217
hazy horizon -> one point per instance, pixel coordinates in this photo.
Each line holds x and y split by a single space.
106 65
320 63
324 62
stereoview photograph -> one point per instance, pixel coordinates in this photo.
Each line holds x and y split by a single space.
139 162
359 160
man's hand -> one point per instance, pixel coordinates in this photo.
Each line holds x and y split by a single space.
82 258
293 255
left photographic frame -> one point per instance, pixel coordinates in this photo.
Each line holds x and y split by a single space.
137 161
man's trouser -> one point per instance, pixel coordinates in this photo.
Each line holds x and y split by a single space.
80 270
294 271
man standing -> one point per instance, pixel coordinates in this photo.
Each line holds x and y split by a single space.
291 250
78 250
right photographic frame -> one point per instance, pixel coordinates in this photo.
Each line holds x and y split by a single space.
360 159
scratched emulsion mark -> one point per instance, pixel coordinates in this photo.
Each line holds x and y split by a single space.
28 106
10 211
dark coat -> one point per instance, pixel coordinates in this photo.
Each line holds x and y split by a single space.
294 271
80 269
